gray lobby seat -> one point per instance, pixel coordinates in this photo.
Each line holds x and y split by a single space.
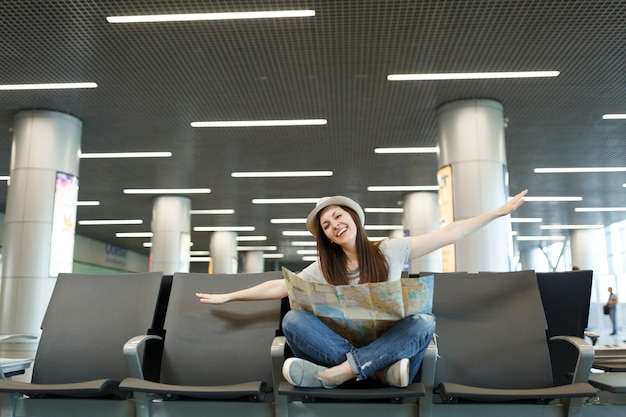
79 361
493 350
216 358
364 399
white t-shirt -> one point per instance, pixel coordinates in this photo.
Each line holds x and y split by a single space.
396 252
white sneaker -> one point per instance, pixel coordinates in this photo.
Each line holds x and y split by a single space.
396 375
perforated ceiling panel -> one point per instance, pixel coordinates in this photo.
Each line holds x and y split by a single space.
154 79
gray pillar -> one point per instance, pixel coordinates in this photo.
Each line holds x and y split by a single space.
253 261
471 143
171 238
44 143
533 258
224 252
421 216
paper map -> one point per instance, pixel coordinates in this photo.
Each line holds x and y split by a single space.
360 313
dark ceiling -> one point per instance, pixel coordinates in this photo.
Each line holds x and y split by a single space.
154 79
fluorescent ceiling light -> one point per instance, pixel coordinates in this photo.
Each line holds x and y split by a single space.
552 199
273 255
285 200
254 248
200 259
224 228
570 226
109 222
471 75
306 252
539 238
309 258
403 188
614 116
167 191
433 149
282 174
88 203
598 209
52 86
147 244
210 16
296 233
526 219
288 221
261 123
384 210
115 155
216 211
377 238
134 234
5 177
250 238
577 170
199 253
383 227
304 243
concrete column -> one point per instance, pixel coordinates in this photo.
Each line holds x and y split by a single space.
253 261
471 145
171 236
421 215
44 143
224 252
532 257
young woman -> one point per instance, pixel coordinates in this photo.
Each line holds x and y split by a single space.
346 256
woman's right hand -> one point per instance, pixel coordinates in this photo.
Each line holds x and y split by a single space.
212 298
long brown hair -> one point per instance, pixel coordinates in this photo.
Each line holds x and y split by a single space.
373 266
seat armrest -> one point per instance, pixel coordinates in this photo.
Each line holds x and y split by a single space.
131 354
585 357
8 337
278 358
427 377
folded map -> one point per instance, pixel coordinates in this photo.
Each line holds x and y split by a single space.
362 312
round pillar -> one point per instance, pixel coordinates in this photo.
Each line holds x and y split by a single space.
224 252
533 258
472 152
421 216
253 261
44 143
171 238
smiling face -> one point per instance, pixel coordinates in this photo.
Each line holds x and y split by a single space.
338 225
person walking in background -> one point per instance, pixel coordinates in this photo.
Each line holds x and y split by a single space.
612 303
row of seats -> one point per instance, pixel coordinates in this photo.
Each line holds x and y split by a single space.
142 345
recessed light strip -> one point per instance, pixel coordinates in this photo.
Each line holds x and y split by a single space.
598 209
51 86
167 191
433 149
552 199
403 188
279 174
471 75
114 155
261 123
215 211
577 170
539 238
285 200
383 210
109 222
570 226
189 17
224 229
614 116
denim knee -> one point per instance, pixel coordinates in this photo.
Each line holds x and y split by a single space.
425 324
290 321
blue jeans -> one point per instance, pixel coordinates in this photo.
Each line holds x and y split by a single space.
309 338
